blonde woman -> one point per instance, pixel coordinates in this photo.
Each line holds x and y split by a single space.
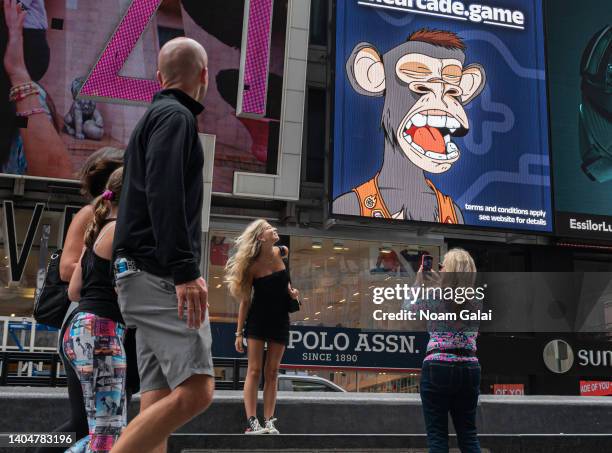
450 376
257 267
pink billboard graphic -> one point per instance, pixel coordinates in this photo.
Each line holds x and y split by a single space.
104 80
100 77
255 59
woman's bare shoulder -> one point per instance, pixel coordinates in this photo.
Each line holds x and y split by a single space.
85 214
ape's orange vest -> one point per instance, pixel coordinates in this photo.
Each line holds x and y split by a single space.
371 202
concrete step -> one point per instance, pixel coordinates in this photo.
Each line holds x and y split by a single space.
392 443
350 422
41 409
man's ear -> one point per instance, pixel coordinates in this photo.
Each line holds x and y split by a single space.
472 82
365 70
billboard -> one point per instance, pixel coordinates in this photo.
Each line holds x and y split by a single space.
96 64
329 347
579 52
441 114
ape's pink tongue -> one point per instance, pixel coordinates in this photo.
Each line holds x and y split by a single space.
429 138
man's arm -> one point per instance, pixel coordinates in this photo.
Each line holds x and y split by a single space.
166 156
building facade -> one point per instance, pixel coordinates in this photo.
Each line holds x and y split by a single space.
277 163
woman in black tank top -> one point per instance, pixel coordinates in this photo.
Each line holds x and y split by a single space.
93 177
259 268
94 340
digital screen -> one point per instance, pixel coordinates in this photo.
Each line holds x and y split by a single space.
96 64
579 53
440 113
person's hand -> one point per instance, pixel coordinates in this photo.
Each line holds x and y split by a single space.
418 281
293 293
194 295
432 278
429 278
14 62
238 345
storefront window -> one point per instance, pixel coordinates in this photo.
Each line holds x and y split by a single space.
17 331
223 307
336 277
366 382
17 297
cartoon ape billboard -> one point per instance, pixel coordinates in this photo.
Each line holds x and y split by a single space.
440 113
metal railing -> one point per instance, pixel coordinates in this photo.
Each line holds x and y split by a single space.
20 334
45 369
31 369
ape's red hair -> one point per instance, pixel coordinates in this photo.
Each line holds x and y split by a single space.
441 38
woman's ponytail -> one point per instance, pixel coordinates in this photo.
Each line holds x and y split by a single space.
102 206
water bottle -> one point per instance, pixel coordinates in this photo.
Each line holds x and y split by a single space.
122 266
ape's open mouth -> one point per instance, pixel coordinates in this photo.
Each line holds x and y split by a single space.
429 132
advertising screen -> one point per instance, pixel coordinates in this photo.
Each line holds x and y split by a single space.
579 52
96 65
441 114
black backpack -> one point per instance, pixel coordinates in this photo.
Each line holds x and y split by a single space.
52 302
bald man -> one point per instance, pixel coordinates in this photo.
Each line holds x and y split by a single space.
157 249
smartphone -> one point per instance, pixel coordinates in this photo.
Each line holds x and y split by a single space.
427 262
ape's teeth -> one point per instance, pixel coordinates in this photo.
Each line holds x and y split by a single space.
408 138
418 148
452 123
419 120
447 139
436 120
452 155
451 147
435 156
452 129
408 125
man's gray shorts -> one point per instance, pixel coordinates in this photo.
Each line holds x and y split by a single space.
168 351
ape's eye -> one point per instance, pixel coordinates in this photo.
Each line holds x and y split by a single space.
452 73
416 74
451 78
415 69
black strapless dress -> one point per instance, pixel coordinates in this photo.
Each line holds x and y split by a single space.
268 317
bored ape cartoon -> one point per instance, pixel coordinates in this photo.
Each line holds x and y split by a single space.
425 86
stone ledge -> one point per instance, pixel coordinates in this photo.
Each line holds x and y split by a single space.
379 444
41 409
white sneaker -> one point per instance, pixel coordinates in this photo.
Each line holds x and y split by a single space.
253 427
270 426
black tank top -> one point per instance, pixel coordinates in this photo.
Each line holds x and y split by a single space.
98 294
270 292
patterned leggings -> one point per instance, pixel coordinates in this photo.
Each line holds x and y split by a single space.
94 347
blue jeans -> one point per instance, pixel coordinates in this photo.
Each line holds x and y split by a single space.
450 387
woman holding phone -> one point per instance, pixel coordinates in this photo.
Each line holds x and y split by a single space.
450 375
